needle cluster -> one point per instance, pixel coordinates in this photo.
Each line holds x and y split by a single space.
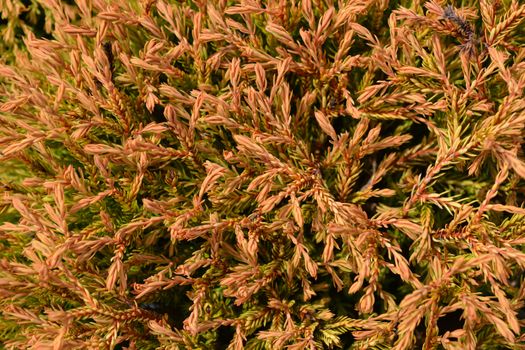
262 174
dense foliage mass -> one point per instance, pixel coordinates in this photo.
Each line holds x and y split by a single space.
262 174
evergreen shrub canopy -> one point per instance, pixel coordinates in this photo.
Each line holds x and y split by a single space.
262 174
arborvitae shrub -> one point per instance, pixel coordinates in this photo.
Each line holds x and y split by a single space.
262 174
